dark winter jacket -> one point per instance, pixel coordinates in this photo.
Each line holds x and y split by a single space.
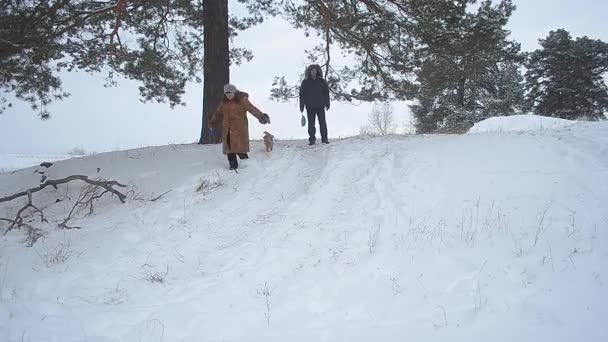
314 93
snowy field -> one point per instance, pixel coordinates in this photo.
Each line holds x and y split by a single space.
501 235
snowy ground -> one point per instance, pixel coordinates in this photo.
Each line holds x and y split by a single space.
480 237
11 162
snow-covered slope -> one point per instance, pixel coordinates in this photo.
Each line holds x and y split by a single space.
482 237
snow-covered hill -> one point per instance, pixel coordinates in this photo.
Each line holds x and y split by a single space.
481 237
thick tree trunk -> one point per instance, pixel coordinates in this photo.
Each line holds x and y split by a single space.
216 64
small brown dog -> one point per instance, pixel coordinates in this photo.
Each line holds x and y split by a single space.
268 141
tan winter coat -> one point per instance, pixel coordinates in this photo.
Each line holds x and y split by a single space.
233 115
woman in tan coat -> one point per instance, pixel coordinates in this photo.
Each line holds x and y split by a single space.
232 113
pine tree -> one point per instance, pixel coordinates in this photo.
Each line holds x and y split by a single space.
508 95
469 68
152 42
565 77
158 43
442 53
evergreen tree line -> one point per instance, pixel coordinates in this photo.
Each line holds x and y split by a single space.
453 59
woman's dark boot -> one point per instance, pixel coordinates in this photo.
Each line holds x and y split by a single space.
234 164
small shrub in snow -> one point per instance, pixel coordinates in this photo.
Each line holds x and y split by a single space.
380 121
205 185
115 296
396 286
154 276
56 255
32 236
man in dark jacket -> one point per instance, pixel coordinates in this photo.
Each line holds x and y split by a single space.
314 95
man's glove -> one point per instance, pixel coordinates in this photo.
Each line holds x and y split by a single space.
265 119
327 106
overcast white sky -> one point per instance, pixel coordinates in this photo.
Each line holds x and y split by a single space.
102 119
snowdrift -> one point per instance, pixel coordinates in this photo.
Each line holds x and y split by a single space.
519 123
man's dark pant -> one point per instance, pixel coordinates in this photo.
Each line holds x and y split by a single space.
312 114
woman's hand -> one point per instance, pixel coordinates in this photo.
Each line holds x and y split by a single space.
265 119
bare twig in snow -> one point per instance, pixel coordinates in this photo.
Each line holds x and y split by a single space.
372 239
572 229
265 292
570 257
445 318
160 196
541 227
478 298
426 292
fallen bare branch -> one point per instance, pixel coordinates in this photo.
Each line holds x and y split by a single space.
86 198
108 185
160 196
18 221
93 190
